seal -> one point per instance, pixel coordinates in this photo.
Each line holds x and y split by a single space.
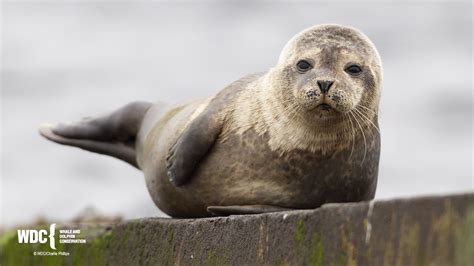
300 135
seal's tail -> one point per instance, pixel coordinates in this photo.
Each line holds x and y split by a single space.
112 134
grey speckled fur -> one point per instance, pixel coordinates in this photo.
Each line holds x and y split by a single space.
262 143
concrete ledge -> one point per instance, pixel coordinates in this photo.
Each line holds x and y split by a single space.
419 231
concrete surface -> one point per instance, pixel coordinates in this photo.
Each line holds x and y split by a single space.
416 231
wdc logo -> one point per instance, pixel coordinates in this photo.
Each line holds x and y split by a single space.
30 236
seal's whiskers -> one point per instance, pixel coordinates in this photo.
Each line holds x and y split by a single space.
366 119
352 133
363 135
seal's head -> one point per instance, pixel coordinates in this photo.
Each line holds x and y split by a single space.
328 70
321 96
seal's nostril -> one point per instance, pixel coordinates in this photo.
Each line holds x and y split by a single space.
324 85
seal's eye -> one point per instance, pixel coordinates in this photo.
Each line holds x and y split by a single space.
353 70
303 66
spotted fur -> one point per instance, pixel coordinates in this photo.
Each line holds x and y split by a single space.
263 142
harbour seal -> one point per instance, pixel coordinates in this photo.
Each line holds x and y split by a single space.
302 134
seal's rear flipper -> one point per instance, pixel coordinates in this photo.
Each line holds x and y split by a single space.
244 209
115 149
112 134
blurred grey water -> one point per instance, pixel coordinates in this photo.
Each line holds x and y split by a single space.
64 60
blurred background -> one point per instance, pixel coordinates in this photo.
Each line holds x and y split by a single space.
61 61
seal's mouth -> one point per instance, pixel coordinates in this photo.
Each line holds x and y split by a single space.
325 107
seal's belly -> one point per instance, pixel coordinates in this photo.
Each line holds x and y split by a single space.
244 171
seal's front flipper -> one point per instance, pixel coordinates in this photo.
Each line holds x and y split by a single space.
112 134
200 135
244 209
194 143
